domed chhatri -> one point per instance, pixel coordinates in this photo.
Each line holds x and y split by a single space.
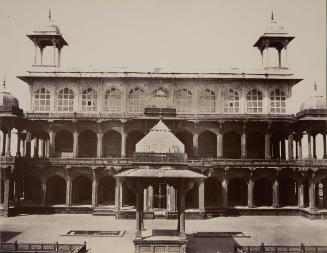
6 99
315 101
48 35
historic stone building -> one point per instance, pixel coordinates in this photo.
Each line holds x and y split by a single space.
82 128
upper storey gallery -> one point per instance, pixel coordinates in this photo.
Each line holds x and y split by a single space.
54 89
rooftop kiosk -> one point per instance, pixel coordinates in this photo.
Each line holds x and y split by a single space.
160 158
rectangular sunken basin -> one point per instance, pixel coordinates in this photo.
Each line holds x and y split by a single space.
96 233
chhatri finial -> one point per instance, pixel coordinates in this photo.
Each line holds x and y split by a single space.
4 83
315 87
272 16
50 17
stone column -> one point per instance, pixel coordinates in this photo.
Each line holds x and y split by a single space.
309 146
6 195
219 142
36 147
182 209
41 143
324 145
150 197
250 193
4 143
201 196
8 142
195 143
94 190
52 151
18 154
99 144
243 143
290 147
296 149
276 194
69 191
312 196
123 143
118 200
172 199
75 144
267 146
300 148
300 195
314 148
138 215
224 191
44 191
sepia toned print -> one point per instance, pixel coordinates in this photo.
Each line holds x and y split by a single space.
163 159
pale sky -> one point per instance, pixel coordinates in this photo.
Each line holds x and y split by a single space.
167 33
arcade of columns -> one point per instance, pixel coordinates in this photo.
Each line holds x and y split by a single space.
44 147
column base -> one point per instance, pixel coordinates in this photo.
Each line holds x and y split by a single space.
275 206
250 206
300 206
182 235
138 235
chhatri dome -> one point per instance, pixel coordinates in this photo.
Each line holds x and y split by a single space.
315 101
160 140
160 100
274 28
6 99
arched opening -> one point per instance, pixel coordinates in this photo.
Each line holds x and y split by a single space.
232 145
321 194
87 144
112 144
192 198
131 140
207 144
237 192
306 192
82 190
64 143
129 197
262 192
255 144
288 192
187 139
106 191
32 189
56 191
212 191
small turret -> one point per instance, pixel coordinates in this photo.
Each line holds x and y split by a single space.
275 36
48 35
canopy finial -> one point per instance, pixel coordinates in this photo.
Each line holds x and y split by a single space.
50 15
4 82
272 16
315 86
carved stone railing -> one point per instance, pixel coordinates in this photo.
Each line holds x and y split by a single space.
166 158
42 247
280 249
170 158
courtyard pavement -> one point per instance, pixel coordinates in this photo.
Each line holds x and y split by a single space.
272 230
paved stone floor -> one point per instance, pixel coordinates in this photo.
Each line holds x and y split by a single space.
272 230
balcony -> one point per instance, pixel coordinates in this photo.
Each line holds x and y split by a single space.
169 159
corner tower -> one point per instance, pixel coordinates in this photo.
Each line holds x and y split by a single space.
48 35
274 37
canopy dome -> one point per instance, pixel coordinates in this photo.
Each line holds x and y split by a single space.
6 99
315 101
160 140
